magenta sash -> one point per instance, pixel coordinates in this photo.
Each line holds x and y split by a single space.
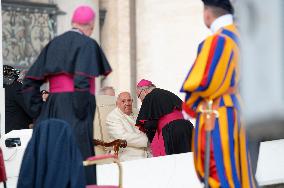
64 83
158 145
92 85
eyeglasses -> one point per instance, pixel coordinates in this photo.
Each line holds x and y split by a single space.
44 92
140 93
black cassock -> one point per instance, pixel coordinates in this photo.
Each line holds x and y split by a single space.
177 134
80 57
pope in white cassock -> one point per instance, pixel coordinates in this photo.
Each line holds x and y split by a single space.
120 124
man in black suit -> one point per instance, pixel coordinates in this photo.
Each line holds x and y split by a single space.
16 114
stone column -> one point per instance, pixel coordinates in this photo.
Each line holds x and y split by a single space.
126 45
168 34
109 39
118 42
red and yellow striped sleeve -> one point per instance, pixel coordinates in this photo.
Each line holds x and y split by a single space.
213 71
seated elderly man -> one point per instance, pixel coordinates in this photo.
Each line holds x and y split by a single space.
120 124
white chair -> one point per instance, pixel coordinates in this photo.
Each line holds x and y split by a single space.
105 104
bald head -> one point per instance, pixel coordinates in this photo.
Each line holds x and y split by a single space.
124 102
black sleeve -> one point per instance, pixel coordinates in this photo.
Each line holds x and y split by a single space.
81 96
32 96
151 124
92 61
143 120
151 127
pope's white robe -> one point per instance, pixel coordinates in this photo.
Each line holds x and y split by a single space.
122 126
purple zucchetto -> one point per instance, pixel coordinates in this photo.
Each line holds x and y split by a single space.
144 82
83 15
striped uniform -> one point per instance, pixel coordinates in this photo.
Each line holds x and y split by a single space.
215 76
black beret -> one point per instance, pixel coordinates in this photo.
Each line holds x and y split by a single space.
224 4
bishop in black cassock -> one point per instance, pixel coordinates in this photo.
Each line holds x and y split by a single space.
70 62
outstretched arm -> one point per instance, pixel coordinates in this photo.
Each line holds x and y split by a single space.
148 127
116 130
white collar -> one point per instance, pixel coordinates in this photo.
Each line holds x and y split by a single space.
124 113
221 22
77 30
129 118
